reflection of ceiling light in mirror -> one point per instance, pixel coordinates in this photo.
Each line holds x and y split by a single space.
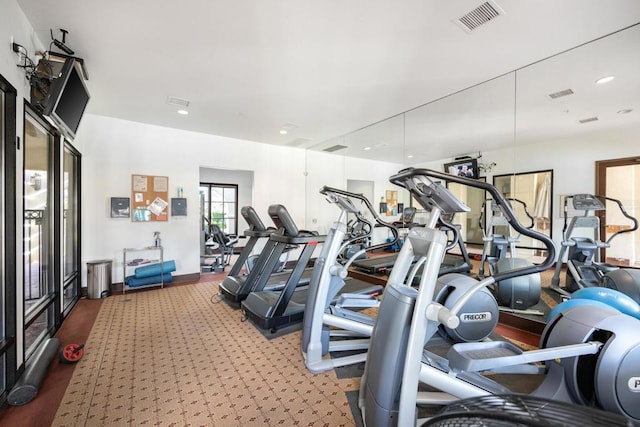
287 127
367 148
604 80
625 111
183 112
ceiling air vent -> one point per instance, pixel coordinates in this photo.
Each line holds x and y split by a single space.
177 101
589 120
334 148
560 94
482 14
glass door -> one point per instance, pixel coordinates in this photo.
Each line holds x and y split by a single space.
70 227
38 241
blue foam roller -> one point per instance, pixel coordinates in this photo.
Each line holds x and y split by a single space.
566 305
155 269
611 297
133 281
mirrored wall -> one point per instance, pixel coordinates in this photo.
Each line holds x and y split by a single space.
540 128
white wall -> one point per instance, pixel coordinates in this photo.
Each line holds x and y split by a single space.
115 149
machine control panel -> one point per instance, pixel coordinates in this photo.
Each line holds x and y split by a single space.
587 202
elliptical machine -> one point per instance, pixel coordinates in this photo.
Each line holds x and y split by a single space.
584 267
591 353
341 327
518 293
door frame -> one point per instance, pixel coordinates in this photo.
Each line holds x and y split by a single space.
601 188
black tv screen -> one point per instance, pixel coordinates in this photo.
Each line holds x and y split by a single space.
465 167
68 99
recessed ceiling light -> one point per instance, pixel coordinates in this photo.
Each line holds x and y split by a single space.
625 111
367 148
410 156
603 80
283 131
183 112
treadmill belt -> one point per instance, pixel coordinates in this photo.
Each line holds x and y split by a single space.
375 265
260 306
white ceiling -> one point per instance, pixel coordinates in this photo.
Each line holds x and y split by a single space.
326 67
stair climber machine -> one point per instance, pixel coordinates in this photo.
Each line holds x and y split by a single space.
516 294
591 353
584 269
340 327
275 309
267 271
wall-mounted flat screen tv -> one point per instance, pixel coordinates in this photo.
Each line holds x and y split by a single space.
463 167
68 98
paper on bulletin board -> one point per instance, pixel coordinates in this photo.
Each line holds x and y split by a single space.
160 184
139 183
158 205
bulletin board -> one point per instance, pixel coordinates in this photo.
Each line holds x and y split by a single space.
149 198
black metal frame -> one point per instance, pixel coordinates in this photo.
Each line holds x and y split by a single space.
8 211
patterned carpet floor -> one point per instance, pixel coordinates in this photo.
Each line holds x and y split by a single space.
177 356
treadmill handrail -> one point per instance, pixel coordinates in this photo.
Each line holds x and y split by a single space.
406 175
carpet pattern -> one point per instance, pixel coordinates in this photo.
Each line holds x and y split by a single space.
176 356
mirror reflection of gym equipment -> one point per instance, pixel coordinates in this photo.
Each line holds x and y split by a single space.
582 245
516 294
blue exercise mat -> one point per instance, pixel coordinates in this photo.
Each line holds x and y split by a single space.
133 281
155 269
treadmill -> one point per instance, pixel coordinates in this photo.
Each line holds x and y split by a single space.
275 309
236 286
380 264
452 263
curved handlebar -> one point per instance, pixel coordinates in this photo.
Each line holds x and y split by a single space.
509 199
403 177
634 227
328 191
456 233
